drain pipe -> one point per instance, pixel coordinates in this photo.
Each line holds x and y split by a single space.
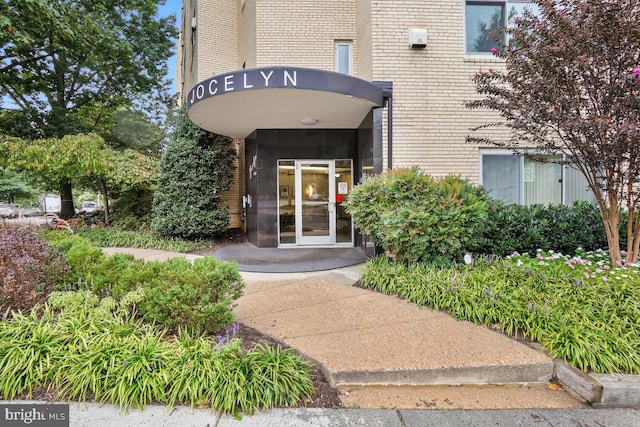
387 93
390 130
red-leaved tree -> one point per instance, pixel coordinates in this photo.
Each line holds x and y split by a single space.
572 85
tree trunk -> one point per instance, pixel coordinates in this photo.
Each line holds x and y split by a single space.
611 219
105 199
66 200
633 237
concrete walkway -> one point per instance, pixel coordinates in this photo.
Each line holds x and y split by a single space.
381 351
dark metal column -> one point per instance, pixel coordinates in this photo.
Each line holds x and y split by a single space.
387 92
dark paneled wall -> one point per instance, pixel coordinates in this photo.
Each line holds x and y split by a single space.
264 148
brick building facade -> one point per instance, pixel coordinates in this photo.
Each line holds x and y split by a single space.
425 82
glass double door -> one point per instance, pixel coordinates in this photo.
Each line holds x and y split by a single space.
315 205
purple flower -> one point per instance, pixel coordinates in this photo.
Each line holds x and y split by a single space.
636 71
491 70
493 50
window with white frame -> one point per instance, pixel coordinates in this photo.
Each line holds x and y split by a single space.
344 54
525 180
484 17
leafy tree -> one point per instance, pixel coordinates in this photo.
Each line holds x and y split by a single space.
81 159
196 167
58 57
58 161
571 86
13 186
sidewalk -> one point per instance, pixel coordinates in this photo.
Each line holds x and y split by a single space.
93 415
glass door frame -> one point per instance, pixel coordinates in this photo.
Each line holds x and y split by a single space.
330 238
297 193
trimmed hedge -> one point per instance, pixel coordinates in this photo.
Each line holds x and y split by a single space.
563 228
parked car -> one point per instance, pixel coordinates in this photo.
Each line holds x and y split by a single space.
35 211
8 211
88 207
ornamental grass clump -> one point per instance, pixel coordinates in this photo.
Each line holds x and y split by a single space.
115 237
580 308
31 350
87 348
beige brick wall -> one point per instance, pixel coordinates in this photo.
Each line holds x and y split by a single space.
430 85
247 33
302 33
217 37
363 28
234 195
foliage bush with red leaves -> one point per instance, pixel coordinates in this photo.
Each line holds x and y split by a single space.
29 269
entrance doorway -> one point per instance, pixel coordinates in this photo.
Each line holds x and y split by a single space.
310 200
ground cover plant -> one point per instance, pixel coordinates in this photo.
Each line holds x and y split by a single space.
115 237
90 348
580 308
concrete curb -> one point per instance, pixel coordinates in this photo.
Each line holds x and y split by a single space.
600 390
505 374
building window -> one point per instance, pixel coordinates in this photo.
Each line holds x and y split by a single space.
344 54
524 180
483 18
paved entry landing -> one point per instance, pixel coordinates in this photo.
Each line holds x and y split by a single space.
295 260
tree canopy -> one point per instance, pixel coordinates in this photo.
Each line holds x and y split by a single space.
57 56
571 85
66 66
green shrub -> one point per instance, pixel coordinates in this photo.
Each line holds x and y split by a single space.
415 217
196 168
131 210
512 228
29 268
197 295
